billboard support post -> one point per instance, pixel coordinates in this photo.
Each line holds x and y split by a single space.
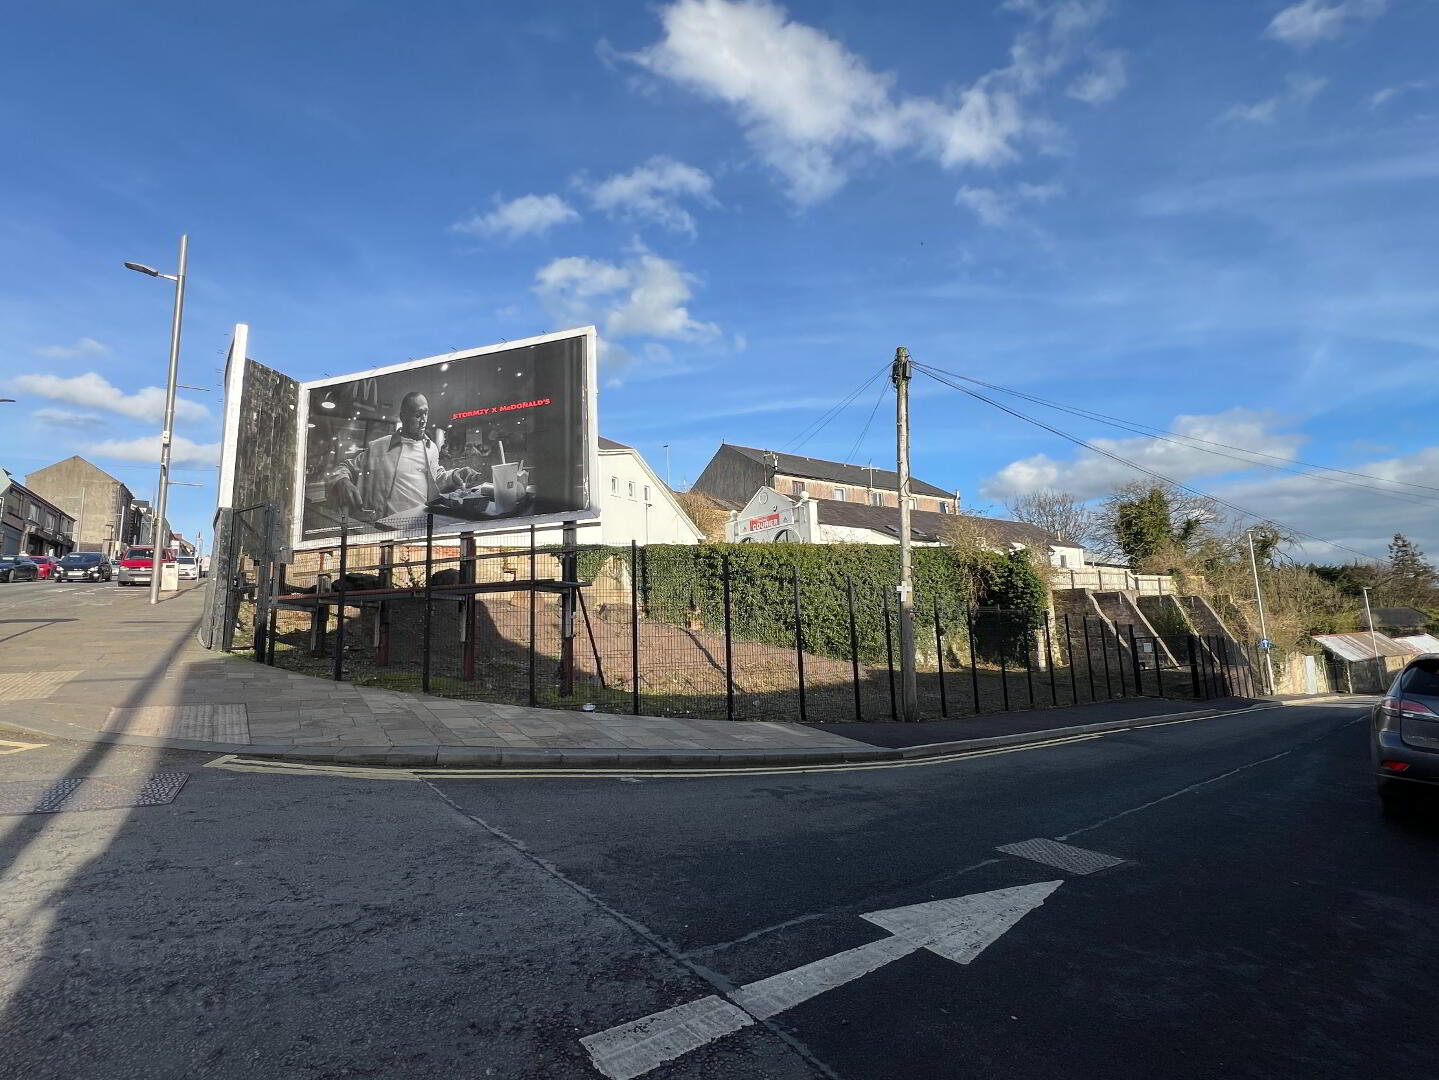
467 624
569 570
429 599
340 582
533 598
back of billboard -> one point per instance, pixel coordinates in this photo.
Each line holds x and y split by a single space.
487 439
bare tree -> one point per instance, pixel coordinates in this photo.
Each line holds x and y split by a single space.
1058 513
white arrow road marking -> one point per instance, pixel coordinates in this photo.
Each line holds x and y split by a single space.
1076 860
10 746
958 929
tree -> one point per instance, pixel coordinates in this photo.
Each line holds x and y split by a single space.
1411 579
1154 526
1058 513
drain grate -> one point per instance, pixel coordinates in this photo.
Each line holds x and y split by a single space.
90 793
1076 860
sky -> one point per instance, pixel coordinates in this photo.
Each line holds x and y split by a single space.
1212 219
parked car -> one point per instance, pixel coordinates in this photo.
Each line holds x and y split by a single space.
1404 735
136 566
84 566
18 568
189 567
45 564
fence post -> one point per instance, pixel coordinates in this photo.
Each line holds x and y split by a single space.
1104 652
1088 657
634 627
889 655
728 646
339 666
799 646
1049 659
1158 670
279 579
853 646
534 601
1194 668
382 613
429 601
569 605
939 657
1073 663
1138 667
973 658
467 623
1228 675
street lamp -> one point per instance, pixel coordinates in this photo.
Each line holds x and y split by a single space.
162 535
1373 639
1263 628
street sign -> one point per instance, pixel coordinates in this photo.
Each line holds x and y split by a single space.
957 929
1265 643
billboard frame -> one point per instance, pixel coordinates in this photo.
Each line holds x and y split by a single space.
589 404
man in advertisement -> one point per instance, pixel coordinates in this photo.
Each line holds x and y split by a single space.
398 474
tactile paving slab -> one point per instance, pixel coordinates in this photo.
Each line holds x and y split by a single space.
210 723
1075 860
90 793
32 685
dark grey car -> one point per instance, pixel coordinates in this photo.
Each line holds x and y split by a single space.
18 568
1404 734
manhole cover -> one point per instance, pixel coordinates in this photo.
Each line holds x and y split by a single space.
90 793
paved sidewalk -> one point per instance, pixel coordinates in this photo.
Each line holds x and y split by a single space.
99 663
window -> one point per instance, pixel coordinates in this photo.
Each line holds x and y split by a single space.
647 493
944 507
1064 562
839 494
632 489
797 487
876 498
614 485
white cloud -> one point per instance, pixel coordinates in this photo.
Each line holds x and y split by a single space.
644 297
810 107
1309 21
66 418
93 391
1103 82
1301 91
86 346
146 448
1090 475
652 192
1389 93
999 209
528 215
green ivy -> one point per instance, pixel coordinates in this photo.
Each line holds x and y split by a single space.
684 585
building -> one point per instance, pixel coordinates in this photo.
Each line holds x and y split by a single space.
635 504
771 516
33 525
1396 620
102 507
735 473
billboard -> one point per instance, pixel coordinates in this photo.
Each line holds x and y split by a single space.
485 439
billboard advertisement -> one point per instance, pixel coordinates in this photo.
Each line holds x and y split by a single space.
484 439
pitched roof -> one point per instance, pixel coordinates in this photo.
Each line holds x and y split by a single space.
928 525
1397 616
1355 647
838 471
610 444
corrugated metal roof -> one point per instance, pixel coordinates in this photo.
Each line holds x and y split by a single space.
1360 646
1420 643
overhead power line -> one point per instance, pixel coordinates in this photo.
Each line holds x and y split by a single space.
1149 431
865 430
824 419
1140 468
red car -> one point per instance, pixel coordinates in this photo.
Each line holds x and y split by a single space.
136 565
45 564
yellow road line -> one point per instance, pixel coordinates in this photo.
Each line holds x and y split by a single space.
18 747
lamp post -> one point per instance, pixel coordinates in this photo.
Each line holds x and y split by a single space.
162 534
1373 639
1263 626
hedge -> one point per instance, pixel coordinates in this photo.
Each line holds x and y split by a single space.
684 584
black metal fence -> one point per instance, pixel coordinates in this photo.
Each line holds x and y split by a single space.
518 625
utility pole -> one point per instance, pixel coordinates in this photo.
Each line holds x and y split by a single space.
900 376
1263 626
1373 639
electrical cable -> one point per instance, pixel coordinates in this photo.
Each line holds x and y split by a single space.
865 430
1140 468
1149 431
830 414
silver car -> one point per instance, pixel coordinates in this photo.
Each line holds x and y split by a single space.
1404 735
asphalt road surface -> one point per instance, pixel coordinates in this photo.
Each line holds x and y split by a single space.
1266 920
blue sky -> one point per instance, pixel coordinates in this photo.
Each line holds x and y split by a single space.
1215 218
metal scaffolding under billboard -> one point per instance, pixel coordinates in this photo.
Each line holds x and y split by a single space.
484 439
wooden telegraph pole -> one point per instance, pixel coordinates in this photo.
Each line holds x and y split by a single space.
900 376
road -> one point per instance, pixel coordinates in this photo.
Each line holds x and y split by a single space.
1266 921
